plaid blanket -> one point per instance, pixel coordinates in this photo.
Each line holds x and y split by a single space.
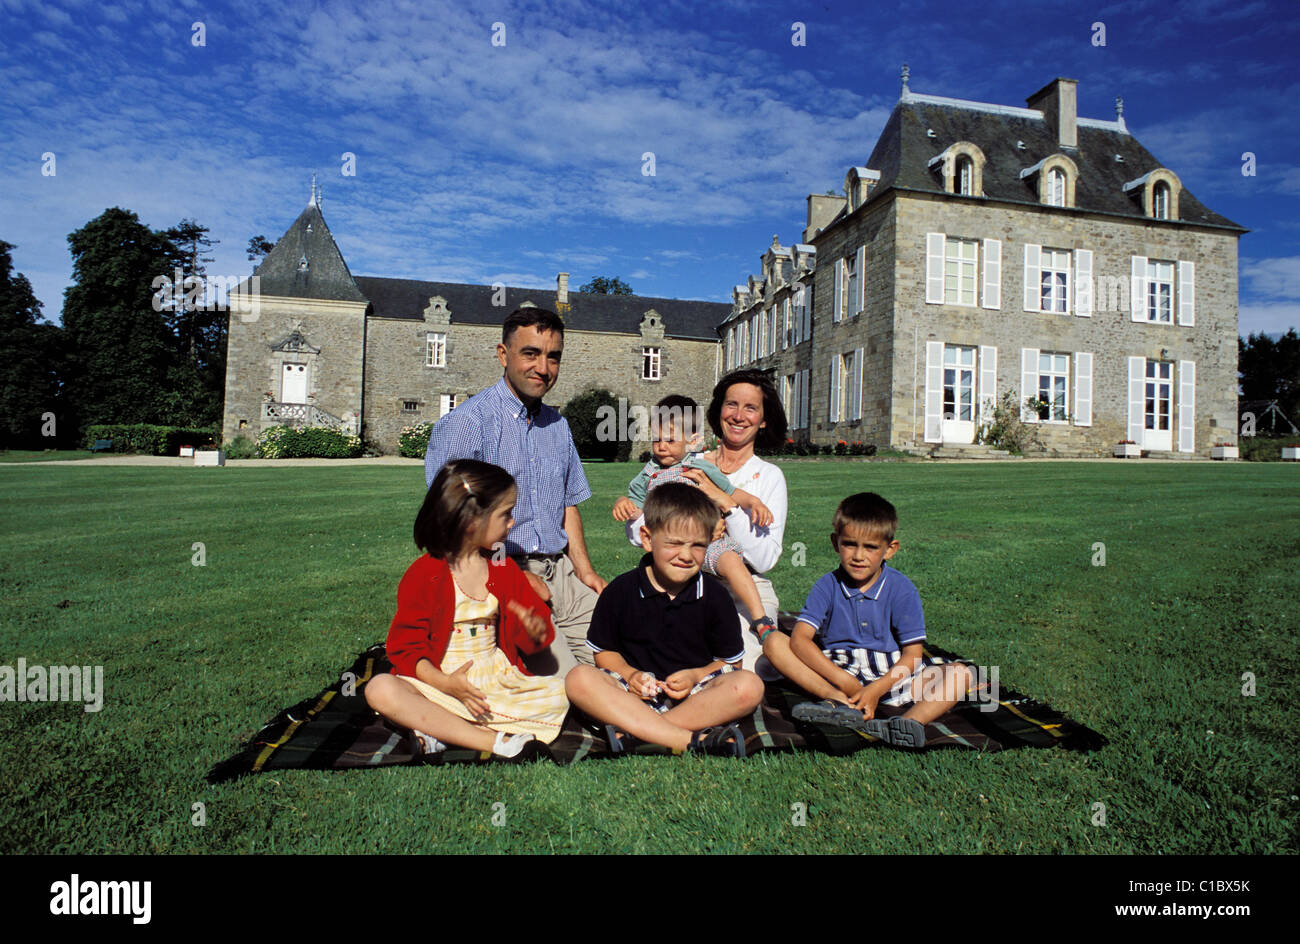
337 730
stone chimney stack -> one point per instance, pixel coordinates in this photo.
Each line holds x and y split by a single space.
562 289
821 210
1058 100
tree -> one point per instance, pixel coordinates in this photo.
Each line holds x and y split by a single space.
120 348
197 380
583 415
258 247
1270 370
29 361
603 286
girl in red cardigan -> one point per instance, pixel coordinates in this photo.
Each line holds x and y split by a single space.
466 615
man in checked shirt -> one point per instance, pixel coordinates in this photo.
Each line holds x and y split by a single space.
509 426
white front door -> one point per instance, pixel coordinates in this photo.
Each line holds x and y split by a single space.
958 394
293 384
1157 433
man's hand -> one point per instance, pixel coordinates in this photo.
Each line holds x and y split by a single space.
625 509
533 624
679 684
458 686
590 578
539 586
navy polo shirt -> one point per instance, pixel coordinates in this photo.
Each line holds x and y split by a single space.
884 618
663 635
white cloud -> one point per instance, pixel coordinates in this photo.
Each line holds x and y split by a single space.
1266 318
1273 278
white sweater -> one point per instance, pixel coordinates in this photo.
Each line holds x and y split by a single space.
760 547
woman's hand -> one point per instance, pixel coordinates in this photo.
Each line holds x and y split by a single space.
715 494
533 624
458 685
625 509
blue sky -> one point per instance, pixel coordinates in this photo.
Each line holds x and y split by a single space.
483 163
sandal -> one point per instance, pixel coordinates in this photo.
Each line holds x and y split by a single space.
620 742
721 741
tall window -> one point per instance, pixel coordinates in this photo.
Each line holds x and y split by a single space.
850 293
762 332
959 272
1054 278
436 353
965 176
1056 187
1053 384
1160 197
1160 292
649 363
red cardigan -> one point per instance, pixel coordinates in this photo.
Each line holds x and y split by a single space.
426 610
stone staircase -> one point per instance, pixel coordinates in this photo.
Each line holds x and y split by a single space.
968 451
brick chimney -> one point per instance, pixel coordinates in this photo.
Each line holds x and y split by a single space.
1058 100
562 289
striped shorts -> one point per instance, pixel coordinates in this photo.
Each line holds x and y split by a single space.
716 550
662 702
867 665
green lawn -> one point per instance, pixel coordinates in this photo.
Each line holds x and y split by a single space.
1200 585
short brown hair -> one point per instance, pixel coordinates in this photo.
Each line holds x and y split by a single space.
675 411
463 490
675 501
868 511
527 317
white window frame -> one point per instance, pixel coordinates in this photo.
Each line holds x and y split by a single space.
1058 369
1056 187
651 363
960 273
964 179
1156 268
1161 193
446 403
436 350
1054 267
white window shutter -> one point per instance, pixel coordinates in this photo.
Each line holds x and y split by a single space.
838 299
857 384
1028 381
992 273
934 244
1137 367
1082 389
833 403
860 265
988 382
1083 283
804 397
807 314
1033 288
1187 293
1138 294
1186 406
934 391
444 405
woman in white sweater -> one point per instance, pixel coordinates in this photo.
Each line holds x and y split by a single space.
746 412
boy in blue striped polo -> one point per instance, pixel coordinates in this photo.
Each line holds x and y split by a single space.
862 629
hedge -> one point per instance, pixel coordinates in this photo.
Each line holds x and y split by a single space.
149 439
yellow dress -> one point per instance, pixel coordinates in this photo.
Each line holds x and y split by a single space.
520 704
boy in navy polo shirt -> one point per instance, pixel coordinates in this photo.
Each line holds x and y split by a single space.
862 630
666 642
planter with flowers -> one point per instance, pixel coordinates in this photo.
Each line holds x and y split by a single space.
1291 452
1224 450
1127 449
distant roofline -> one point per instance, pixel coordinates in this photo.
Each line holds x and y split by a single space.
1012 110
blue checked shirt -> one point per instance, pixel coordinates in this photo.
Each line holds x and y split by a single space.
494 426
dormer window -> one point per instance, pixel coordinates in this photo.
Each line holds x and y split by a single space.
965 176
1160 201
962 166
1056 187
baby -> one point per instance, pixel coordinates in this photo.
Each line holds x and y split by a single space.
675 447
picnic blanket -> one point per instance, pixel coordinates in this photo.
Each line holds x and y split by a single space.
337 730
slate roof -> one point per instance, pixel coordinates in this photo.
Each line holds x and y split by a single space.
611 314
904 150
326 275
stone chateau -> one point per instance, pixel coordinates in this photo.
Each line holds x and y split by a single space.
987 249
374 355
